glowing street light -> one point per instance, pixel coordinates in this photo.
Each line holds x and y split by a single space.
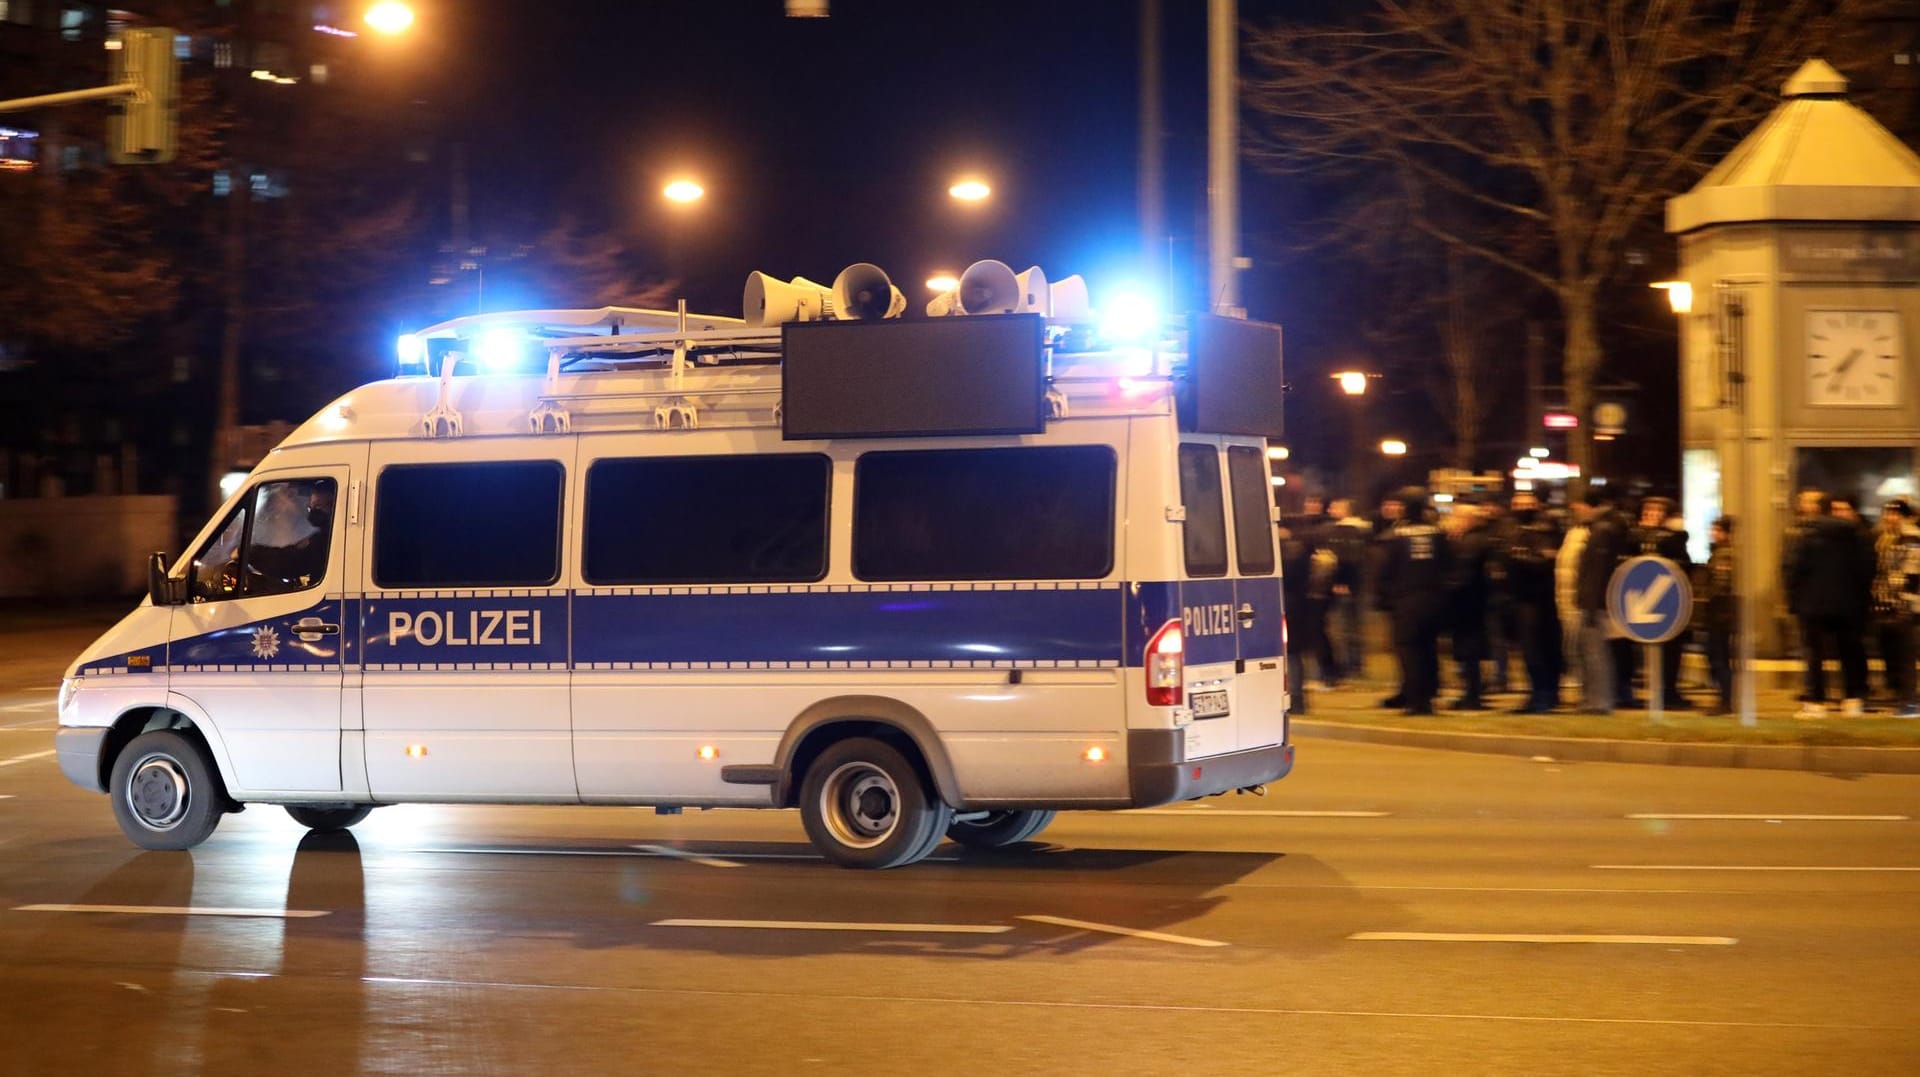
1278 452
970 190
942 283
1393 447
1679 294
390 17
1352 382
684 191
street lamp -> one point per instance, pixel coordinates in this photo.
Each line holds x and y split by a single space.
1352 382
1679 294
942 283
390 17
970 190
1393 447
683 191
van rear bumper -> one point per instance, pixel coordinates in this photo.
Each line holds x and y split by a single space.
78 752
1156 773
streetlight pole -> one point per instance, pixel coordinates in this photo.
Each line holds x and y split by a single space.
1223 158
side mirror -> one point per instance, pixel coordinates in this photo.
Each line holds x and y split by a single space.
162 590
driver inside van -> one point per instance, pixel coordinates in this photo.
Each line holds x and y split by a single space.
290 538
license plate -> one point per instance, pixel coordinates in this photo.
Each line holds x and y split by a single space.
1208 704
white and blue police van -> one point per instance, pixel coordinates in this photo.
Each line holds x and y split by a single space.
920 578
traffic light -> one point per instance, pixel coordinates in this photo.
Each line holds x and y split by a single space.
144 128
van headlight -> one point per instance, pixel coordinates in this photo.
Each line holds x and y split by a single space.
69 694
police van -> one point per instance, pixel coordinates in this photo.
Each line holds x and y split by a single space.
920 578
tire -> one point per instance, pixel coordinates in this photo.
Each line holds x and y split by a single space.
166 794
864 805
999 829
329 819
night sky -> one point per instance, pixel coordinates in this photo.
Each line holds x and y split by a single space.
828 141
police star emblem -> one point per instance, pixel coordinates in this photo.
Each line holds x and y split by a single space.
266 642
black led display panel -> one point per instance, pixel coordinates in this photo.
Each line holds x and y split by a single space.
977 374
1233 383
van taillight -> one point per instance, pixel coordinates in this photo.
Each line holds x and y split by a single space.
1165 672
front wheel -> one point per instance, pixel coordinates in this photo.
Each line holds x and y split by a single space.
864 806
329 819
998 829
165 793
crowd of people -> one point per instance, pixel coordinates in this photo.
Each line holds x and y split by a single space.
1496 582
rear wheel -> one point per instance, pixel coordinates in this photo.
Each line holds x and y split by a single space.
998 829
165 793
329 819
864 805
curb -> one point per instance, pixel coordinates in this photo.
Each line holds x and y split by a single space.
1813 757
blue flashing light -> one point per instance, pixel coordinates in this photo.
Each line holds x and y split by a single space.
500 349
411 350
1130 317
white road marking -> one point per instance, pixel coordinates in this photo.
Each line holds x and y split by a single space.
839 925
639 850
682 854
36 725
6 796
1114 929
1249 812
25 758
1468 936
1738 867
179 910
22 708
1774 818
947 1002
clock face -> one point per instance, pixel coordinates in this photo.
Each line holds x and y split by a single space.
1854 358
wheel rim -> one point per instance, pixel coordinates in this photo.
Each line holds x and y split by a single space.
158 792
861 805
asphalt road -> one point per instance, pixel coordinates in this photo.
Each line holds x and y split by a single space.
1385 910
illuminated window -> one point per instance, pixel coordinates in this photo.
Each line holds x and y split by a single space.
222 184
223 54
317 74
17 11
73 21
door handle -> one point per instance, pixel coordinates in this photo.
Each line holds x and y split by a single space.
312 628
1246 614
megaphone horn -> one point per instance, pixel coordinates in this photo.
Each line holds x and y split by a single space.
989 287
767 301
1034 296
863 290
1069 300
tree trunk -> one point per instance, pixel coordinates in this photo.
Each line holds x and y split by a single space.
1580 365
233 289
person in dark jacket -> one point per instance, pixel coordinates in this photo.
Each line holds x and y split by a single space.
1296 557
1413 581
1721 612
1606 547
1832 575
1532 544
1346 536
1470 544
1657 537
1896 601
1806 509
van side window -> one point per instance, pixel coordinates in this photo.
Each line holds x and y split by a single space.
1205 532
467 525
275 543
1252 516
984 514
707 519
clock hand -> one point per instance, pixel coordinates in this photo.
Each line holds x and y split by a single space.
1840 372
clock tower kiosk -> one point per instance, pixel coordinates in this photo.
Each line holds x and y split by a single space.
1801 254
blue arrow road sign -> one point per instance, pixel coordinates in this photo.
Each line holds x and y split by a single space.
1649 599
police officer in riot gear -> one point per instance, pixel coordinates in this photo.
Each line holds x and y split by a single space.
1413 579
1532 543
1656 537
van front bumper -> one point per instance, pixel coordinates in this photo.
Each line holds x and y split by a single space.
1156 773
78 751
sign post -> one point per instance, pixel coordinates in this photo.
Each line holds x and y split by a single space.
1650 601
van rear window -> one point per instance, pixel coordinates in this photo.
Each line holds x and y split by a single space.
707 519
1044 512
468 525
1205 532
1252 513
